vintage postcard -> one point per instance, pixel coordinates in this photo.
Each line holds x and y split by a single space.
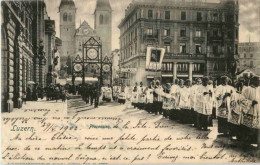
130 81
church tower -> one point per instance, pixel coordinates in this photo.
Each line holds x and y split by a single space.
67 11
103 25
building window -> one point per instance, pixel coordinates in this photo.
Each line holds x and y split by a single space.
70 17
251 55
236 49
183 15
245 55
80 46
182 67
150 14
215 33
215 49
167 67
251 63
199 16
101 19
183 48
149 31
198 33
167 47
198 49
65 17
215 17
197 67
166 32
230 36
167 15
236 33
183 33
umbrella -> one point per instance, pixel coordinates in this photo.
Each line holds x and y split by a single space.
30 83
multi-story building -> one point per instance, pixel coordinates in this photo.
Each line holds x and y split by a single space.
249 56
199 38
22 50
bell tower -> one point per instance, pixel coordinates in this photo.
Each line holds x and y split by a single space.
103 25
67 11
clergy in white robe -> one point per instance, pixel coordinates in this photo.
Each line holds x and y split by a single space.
251 112
158 99
141 96
149 99
223 94
167 101
185 106
175 97
134 98
204 105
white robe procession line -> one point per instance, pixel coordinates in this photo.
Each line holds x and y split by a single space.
185 98
149 95
141 94
223 106
159 92
134 98
248 96
204 103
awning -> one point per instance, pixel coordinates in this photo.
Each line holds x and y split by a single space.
167 75
197 75
149 77
78 80
61 81
183 75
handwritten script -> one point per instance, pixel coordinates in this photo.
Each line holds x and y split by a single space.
57 138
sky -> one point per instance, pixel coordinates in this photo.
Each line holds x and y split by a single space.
249 17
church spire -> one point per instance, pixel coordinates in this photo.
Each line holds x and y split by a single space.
103 5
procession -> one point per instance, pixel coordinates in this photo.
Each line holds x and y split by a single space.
234 105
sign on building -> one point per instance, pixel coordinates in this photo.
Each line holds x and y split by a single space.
154 58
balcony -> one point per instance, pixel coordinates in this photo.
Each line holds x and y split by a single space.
151 37
216 39
198 39
184 56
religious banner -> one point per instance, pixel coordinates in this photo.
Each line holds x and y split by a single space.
154 57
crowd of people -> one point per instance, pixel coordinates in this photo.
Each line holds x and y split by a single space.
90 93
235 105
34 92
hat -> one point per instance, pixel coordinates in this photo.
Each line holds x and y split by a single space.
205 79
157 82
198 79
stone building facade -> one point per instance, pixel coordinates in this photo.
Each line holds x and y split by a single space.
249 56
200 38
22 49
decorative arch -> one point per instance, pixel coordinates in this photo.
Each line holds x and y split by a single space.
65 17
70 17
101 19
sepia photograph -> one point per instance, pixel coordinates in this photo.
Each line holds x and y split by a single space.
130 81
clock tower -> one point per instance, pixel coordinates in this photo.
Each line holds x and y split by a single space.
67 11
82 35
103 25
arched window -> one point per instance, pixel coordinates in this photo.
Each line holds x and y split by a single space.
101 19
70 17
65 17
